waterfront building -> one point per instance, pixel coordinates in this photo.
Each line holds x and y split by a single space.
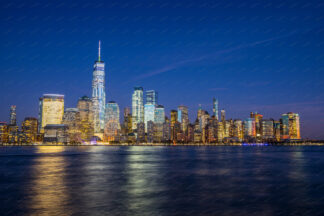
140 128
257 118
150 131
158 132
137 107
112 122
183 117
51 110
290 126
215 108
56 134
166 131
203 120
127 125
3 132
71 118
238 129
85 124
159 115
98 94
190 133
267 129
13 117
29 128
277 128
249 128
175 129
220 131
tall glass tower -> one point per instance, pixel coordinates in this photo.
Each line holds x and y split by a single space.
98 94
137 107
215 108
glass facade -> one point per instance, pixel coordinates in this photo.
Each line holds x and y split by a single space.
137 107
112 122
98 94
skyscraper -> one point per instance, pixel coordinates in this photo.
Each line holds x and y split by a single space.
151 97
215 108
98 93
249 128
159 116
13 118
223 118
290 126
29 127
71 118
112 123
183 117
149 107
51 110
137 107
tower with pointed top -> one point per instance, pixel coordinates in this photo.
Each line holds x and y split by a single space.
98 94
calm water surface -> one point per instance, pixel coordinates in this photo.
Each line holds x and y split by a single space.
100 180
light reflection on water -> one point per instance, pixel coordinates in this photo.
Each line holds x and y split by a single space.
116 180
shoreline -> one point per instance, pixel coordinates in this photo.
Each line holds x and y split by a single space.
169 144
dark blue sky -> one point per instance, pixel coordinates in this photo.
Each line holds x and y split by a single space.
251 56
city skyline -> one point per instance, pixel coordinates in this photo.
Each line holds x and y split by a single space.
269 67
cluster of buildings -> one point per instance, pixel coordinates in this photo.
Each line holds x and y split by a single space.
93 120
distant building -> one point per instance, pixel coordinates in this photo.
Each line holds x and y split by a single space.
149 112
3 132
238 129
13 117
159 116
257 119
290 126
85 124
223 117
137 107
267 129
56 134
215 108
29 128
183 117
174 117
249 128
51 110
112 122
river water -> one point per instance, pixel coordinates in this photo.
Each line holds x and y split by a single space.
184 180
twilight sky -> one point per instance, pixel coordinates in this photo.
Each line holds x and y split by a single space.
251 56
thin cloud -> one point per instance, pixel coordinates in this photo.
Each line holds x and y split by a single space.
193 60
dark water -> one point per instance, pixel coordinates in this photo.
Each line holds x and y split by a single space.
162 180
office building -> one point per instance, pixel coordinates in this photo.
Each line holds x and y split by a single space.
137 107
51 110
112 122
98 94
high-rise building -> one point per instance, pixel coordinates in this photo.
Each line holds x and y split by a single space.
267 129
215 108
290 126
277 128
51 110
71 118
112 123
223 118
183 117
98 94
137 107
151 97
140 132
257 118
150 131
86 126
174 117
127 125
3 132
249 128
238 129
159 116
13 118
29 128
